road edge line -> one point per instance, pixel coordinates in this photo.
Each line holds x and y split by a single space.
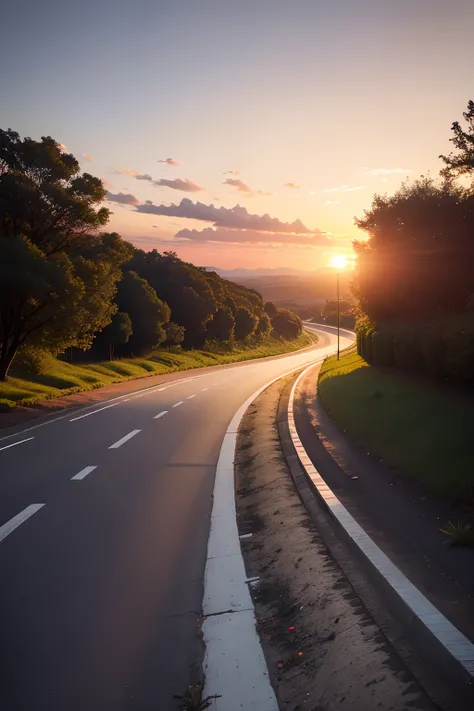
440 630
229 627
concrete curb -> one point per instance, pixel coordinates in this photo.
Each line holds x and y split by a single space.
441 644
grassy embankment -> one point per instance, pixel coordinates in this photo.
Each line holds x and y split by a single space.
426 432
59 378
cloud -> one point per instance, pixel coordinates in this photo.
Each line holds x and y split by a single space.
232 172
122 198
171 161
241 187
345 189
87 156
62 147
292 186
134 173
185 185
106 183
222 234
244 188
385 171
235 217
126 171
333 202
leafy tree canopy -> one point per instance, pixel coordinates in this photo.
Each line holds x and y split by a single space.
462 162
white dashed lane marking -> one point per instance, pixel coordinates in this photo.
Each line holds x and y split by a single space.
7 446
160 414
204 390
190 397
177 404
17 520
83 473
124 439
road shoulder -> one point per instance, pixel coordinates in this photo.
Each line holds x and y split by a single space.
321 646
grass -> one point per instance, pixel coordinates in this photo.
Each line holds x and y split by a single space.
424 431
60 378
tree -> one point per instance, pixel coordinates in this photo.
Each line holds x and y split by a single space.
287 325
264 325
174 334
58 274
461 163
418 262
117 333
44 197
221 326
245 323
147 312
270 309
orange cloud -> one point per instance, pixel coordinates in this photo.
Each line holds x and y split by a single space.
106 183
185 185
171 161
292 186
87 156
222 234
241 186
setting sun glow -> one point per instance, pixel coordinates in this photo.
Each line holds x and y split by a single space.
339 262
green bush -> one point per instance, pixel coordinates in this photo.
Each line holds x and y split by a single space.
443 350
34 361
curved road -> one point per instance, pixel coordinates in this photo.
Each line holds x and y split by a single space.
102 585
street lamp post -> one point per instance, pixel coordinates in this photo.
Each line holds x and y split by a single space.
338 317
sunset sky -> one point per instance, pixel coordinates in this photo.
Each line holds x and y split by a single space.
295 109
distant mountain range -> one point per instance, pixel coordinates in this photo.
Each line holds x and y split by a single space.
254 273
290 287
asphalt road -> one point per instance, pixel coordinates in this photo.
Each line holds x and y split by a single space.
101 587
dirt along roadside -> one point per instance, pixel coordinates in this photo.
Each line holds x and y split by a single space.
322 648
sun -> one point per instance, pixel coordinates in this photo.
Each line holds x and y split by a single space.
339 262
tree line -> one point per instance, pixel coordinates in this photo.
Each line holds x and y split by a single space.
414 278
65 282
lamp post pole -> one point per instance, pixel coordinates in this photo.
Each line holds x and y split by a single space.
338 317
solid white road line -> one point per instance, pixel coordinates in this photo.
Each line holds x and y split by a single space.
83 473
190 397
177 404
88 414
229 627
28 439
160 414
17 520
124 439
452 640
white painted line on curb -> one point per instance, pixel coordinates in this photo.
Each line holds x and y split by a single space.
28 439
234 664
160 414
124 439
190 397
17 520
88 414
448 635
83 473
177 404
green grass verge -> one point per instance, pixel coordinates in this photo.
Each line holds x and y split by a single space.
60 378
424 431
